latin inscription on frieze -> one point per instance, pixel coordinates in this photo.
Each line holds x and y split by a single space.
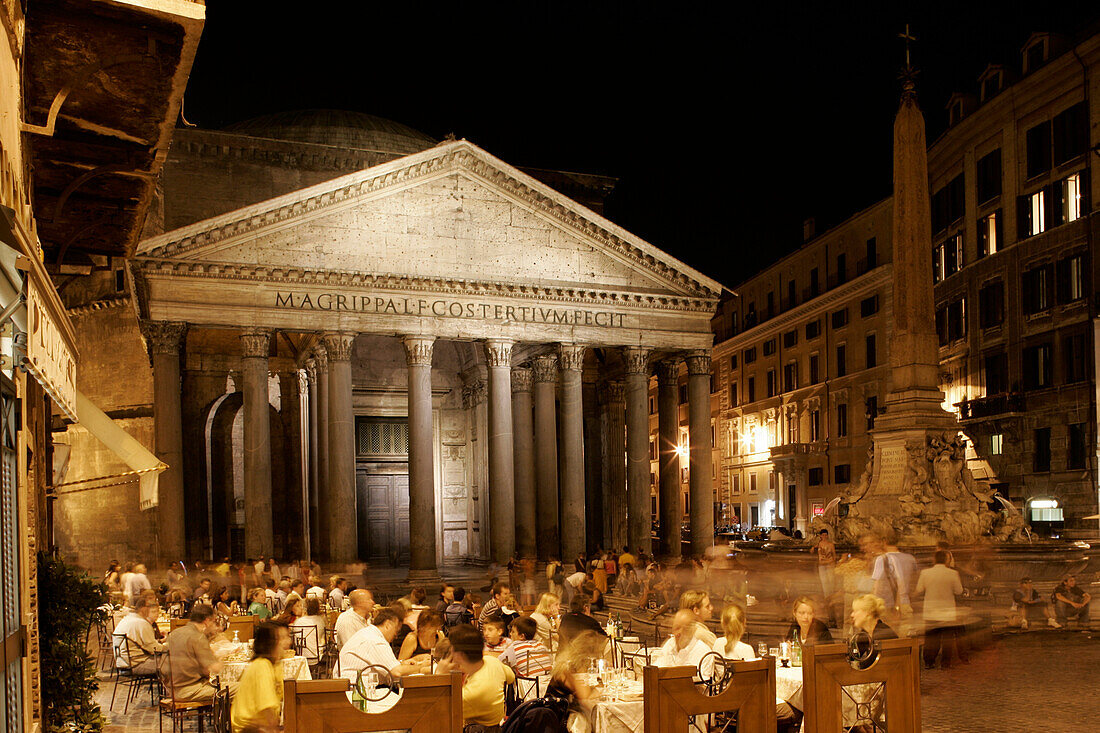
443 308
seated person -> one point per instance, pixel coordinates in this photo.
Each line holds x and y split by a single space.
193 662
258 604
682 648
730 646
867 611
135 639
484 678
496 643
805 629
371 646
578 620
426 636
312 624
1031 607
526 654
1071 602
627 582
457 611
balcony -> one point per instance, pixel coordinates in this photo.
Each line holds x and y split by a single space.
1001 405
792 450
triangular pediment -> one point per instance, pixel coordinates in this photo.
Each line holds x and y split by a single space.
452 212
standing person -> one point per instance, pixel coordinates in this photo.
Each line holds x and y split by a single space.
579 563
940 584
573 585
825 549
193 662
355 618
627 559
527 595
893 575
258 571
555 576
611 567
136 582
273 568
258 704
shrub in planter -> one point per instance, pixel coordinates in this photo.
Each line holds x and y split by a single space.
69 602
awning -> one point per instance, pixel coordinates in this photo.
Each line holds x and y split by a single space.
144 465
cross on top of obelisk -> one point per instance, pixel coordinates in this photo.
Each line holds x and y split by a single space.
908 73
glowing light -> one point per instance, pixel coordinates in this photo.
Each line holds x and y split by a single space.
1044 504
682 451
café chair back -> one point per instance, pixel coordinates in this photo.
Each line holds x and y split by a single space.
520 691
178 711
176 623
884 688
672 698
428 704
124 649
221 711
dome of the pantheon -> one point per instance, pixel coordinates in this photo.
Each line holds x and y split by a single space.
339 128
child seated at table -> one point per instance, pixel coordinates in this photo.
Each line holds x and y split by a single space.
495 641
526 654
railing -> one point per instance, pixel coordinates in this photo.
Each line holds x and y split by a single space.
1001 404
790 450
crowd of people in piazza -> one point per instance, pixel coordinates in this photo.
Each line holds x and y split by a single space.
510 626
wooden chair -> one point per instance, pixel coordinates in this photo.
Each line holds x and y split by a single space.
179 711
892 692
245 626
672 697
220 713
428 704
329 655
305 643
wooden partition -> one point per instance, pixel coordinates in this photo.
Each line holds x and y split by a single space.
245 626
889 689
671 697
428 704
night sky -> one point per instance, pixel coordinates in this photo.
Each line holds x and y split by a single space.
726 124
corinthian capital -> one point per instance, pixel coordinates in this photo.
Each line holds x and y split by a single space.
546 368
522 379
668 371
698 363
339 345
636 359
615 392
320 357
164 337
256 344
571 357
311 370
498 352
418 350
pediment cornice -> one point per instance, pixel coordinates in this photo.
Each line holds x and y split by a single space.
193 240
178 268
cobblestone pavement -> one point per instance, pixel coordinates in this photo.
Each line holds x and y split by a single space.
1038 681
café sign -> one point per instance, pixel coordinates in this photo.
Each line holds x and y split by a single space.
49 357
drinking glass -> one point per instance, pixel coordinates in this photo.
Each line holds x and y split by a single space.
774 651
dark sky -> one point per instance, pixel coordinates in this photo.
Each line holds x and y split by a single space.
726 123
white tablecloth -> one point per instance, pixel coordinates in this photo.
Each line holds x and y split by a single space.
294 668
618 717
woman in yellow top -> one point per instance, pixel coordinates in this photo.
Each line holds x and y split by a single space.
259 700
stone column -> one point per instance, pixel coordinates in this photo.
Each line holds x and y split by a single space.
572 479
546 456
343 543
668 439
502 485
523 452
593 479
422 564
637 448
320 356
314 459
258 525
701 484
165 340
616 459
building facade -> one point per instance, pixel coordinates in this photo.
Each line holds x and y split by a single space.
1014 227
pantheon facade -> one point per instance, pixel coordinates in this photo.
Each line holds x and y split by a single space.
410 353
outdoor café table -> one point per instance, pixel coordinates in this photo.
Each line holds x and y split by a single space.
294 668
621 715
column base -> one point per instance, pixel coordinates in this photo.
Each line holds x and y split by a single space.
426 578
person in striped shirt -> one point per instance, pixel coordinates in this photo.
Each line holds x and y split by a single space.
527 656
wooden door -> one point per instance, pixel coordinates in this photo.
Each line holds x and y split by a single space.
383 517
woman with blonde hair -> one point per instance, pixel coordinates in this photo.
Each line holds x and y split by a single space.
730 646
574 659
867 611
805 628
546 615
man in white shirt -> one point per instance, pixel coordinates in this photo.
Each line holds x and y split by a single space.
336 595
573 584
682 649
370 646
698 602
273 568
939 584
354 619
134 640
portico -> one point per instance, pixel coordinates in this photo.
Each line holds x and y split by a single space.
403 364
